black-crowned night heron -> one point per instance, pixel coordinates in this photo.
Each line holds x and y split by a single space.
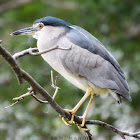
87 64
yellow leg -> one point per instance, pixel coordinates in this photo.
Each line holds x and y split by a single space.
73 111
93 96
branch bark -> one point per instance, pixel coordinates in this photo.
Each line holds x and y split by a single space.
112 128
21 74
31 51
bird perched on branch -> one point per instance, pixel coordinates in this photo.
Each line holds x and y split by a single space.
82 60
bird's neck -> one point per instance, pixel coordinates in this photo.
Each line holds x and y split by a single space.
49 37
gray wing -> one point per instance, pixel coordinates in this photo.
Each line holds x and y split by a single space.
109 74
85 40
96 69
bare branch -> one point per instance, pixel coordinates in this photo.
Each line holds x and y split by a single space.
47 50
24 52
112 128
36 87
39 100
31 92
31 51
17 99
23 96
54 85
12 104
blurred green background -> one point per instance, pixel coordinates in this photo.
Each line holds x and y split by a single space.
115 23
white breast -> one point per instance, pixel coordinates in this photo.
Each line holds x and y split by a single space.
52 58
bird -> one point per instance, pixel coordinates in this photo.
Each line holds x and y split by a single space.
81 59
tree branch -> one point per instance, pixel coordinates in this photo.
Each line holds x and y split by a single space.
32 93
31 51
112 128
24 52
21 74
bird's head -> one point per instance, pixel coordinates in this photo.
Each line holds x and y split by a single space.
41 25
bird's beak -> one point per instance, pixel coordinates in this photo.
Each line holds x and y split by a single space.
25 31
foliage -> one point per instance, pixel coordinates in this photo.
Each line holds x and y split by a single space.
115 23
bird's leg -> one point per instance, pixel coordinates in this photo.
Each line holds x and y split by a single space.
73 111
87 110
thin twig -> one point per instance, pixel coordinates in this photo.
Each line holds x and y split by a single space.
22 96
17 99
54 84
47 50
31 51
112 128
89 135
12 104
39 100
24 52
56 91
31 92
52 80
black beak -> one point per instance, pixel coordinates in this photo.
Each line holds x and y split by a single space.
25 31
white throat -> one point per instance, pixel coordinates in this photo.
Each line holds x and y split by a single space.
48 32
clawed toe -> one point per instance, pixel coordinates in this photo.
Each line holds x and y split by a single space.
83 118
72 117
73 111
82 128
65 122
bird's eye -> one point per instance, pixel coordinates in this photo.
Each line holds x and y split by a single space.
41 26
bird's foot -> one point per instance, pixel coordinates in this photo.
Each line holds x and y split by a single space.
81 126
65 122
83 118
68 123
72 117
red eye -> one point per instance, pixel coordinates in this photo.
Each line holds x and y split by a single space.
41 26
